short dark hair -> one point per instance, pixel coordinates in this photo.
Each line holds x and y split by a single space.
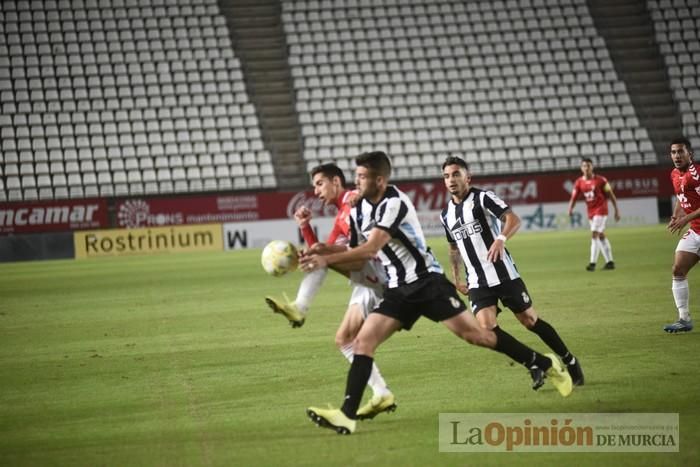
455 161
376 161
681 140
329 170
587 159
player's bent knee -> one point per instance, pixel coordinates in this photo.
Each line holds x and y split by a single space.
362 346
679 271
527 318
342 340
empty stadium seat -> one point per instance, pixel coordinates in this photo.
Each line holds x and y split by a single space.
677 29
427 68
87 87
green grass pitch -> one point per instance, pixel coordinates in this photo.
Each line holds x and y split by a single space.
176 360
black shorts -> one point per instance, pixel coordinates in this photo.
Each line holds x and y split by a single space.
512 294
433 297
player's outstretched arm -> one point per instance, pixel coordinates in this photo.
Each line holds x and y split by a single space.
368 250
345 268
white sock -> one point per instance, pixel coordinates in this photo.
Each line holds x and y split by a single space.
309 287
376 381
595 250
609 248
681 296
606 249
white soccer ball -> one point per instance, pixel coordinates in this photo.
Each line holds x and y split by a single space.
279 257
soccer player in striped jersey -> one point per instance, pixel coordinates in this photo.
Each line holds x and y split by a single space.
367 279
596 191
686 185
384 223
477 224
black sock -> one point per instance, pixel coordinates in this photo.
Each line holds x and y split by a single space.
360 369
509 345
550 337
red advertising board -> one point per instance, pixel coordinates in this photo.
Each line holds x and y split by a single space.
522 189
547 188
53 216
206 209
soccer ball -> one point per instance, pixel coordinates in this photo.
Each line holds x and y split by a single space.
279 257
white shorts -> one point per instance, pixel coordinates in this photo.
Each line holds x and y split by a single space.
367 298
598 223
690 242
371 275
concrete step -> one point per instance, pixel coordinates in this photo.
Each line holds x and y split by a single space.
643 52
656 111
255 10
288 134
269 42
632 64
259 42
645 86
612 8
631 31
292 173
647 76
621 43
265 64
269 87
287 147
282 115
629 35
275 75
244 3
253 22
659 99
255 32
266 53
636 19
632 10
276 99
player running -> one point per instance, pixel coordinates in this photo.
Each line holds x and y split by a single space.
367 278
477 224
686 185
385 224
596 191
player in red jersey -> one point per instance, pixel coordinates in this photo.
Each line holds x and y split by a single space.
367 278
686 185
596 191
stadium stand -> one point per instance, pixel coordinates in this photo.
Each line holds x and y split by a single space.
129 97
509 84
123 97
677 27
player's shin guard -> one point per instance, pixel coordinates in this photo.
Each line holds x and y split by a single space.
309 287
550 337
358 376
376 380
507 344
606 248
595 250
681 295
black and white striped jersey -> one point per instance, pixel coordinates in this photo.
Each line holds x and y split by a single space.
473 225
407 257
